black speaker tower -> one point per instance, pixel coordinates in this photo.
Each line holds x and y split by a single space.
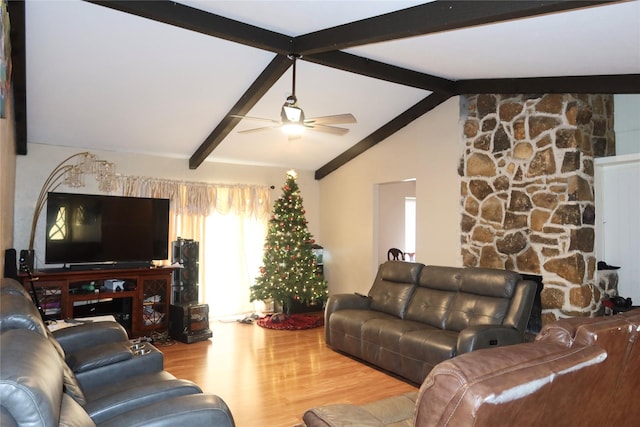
10 264
188 320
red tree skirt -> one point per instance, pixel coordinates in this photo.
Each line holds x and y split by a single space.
291 322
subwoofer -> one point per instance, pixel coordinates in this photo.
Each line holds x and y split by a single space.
189 323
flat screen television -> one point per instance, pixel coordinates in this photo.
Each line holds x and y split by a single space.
85 228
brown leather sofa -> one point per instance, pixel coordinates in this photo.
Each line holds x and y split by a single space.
578 372
416 316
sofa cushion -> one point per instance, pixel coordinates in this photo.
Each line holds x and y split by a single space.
468 310
98 356
71 386
393 287
489 282
19 312
381 340
430 303
430 306
346 328
508 386
31 378
394 411
421 350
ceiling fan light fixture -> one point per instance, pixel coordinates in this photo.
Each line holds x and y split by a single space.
292 114
293 129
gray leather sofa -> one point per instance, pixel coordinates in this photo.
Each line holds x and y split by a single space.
89 375
416 316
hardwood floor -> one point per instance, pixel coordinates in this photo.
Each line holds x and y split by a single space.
269 378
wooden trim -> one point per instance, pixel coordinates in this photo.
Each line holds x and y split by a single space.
323 47
180 15
417 110
381 71
19 72
625 83
263 83
428 18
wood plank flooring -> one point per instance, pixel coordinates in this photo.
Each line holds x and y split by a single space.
269 378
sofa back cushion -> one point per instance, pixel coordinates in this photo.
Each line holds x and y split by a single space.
31 378
19 312
484 298
454 298
431 302
393 287
507 386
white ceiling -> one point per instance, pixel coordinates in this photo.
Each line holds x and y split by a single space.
106 80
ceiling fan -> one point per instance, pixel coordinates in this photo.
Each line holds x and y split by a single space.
292 120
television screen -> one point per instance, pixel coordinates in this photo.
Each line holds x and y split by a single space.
84 228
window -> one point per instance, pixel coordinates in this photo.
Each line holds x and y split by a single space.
59 230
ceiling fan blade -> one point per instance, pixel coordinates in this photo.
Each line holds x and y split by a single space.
327 129
260 129
331 120
260 119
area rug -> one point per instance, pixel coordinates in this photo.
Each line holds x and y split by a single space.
291 322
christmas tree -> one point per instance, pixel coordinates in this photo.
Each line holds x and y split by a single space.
290 269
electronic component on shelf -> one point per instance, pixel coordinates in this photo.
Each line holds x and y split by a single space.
114 285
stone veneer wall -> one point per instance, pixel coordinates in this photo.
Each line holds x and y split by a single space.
527 187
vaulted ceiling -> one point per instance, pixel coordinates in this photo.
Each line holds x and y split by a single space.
164 77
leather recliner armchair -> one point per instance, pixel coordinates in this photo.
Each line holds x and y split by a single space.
39 387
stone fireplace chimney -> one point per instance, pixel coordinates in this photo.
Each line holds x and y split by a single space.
527 191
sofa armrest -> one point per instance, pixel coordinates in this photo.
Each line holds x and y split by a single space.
89 335
487 336
343 302
98 356
140 363
191 410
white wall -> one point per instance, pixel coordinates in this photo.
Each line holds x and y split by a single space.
617 219
391 216
627 123
428 150
33 169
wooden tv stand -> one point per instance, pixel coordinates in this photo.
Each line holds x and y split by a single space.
142 304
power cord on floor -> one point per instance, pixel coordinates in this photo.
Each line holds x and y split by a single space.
162 339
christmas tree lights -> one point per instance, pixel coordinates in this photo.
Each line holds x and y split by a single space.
290 270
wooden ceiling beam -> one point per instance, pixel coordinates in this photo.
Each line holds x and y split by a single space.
622 83
381 71
189 18
258 88
413 113
19 73
323 47
434 17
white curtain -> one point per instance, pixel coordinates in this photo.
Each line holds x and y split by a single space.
229 222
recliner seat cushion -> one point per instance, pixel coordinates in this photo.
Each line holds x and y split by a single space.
381 340
346 328
131 393
423 349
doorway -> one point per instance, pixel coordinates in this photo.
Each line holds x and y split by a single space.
396 223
